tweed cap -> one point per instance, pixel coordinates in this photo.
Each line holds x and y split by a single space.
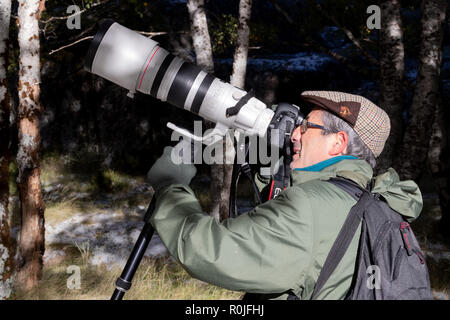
369 121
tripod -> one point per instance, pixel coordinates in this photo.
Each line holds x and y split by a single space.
123 283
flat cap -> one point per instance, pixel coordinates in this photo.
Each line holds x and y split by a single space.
369 121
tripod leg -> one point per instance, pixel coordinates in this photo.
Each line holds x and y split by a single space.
123 283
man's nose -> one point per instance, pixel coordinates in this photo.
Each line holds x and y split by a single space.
296 134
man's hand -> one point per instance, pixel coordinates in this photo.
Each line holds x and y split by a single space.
164 172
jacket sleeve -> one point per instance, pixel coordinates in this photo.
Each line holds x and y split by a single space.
266 250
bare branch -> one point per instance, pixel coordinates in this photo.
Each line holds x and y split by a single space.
154 34
349 35
145 33
81 34
71 44
151 34
282 11
74 14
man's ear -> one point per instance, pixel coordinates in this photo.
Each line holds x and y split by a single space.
340 143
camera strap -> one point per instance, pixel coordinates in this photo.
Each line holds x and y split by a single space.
232 111
281 179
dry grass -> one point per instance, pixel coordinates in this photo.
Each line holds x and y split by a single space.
155 279
53 168
61 211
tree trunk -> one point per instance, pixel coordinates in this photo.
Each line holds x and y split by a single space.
439 161
411 158
203 52
220 173
237 79
392 66
271 83
32 236
200 35
6 252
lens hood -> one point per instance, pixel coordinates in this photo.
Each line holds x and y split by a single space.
103 27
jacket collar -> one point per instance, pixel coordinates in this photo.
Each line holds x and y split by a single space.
402 196
356 170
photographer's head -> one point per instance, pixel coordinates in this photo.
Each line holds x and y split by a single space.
339 124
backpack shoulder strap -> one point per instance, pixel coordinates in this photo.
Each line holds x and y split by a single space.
352 188
347 231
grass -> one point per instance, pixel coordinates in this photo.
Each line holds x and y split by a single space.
53 168
82 176
109 181
155 279
61 211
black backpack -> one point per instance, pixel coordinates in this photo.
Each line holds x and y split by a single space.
389 263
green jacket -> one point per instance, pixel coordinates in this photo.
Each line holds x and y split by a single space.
282 244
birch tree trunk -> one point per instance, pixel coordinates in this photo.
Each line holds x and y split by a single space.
220 173
203 52
237 79
392 67
413 153
31 242
6 253
200 34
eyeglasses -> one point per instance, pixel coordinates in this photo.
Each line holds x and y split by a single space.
306 124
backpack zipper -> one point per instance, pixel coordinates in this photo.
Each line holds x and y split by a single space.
421 257
404 228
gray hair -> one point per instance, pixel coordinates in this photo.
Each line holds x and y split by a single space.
355 146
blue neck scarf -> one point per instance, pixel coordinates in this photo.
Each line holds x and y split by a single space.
326 163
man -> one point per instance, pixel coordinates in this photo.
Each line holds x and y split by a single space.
279 248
